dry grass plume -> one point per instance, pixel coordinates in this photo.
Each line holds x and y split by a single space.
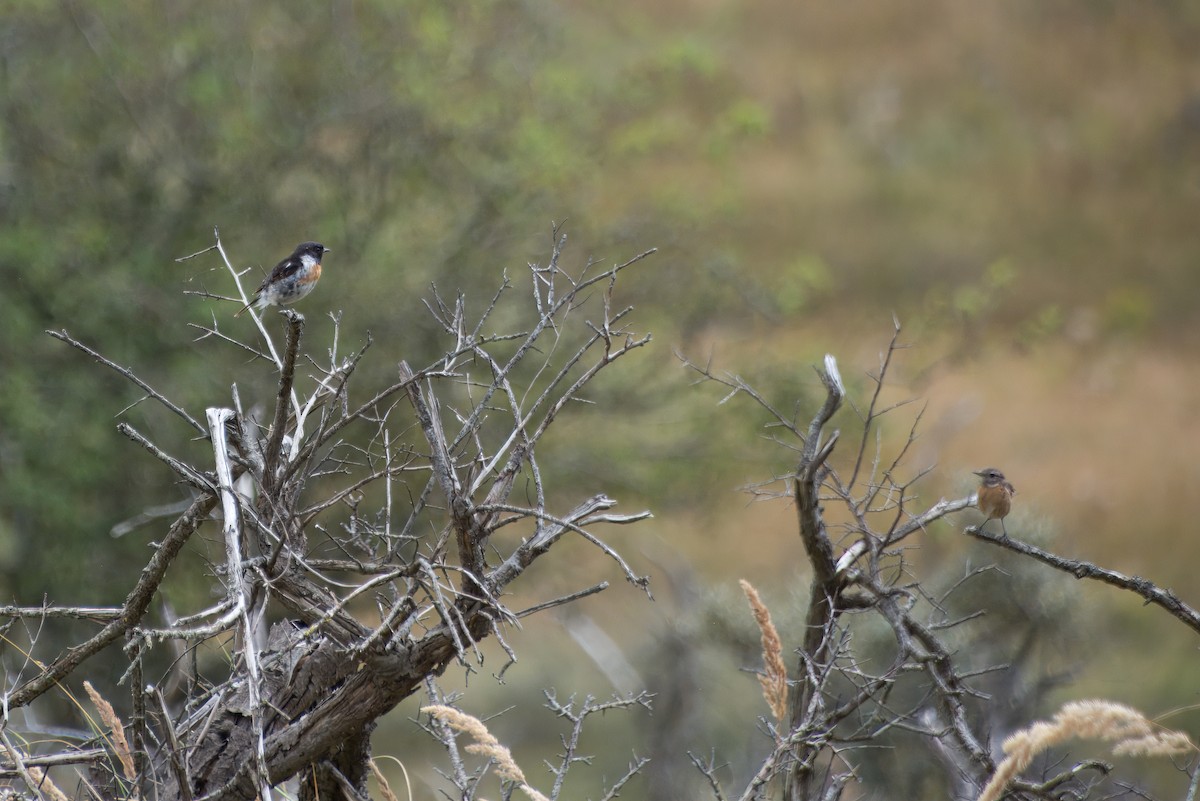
109 717
48 788
485 745
385 789
1133 733
774 678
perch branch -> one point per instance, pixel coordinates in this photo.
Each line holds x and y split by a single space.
1152 594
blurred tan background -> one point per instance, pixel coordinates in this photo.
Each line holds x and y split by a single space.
1018 183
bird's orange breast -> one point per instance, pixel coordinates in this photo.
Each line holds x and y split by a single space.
994 502
312 275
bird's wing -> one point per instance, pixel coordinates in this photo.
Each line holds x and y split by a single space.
285 268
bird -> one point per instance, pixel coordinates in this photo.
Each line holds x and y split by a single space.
994 498
292 278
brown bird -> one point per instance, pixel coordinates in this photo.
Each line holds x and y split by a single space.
995 496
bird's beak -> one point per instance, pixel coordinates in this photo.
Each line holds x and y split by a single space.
977 473
326 250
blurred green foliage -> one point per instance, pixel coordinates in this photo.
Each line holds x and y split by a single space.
983 172
424 143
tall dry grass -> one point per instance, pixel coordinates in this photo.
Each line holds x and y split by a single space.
485 745
1133 733
774 678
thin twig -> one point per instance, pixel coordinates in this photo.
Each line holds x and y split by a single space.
63 336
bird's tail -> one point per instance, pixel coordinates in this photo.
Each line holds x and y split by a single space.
243 310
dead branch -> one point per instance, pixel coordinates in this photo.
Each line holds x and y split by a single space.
918 680
305 698
132 611
1147 590
130 376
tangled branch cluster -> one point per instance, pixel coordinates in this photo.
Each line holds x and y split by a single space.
361 554
365 547
847 698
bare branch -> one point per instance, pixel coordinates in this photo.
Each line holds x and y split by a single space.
565 599
186 472
1152 594
151 391
283 398
51 760
134 608
79 612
